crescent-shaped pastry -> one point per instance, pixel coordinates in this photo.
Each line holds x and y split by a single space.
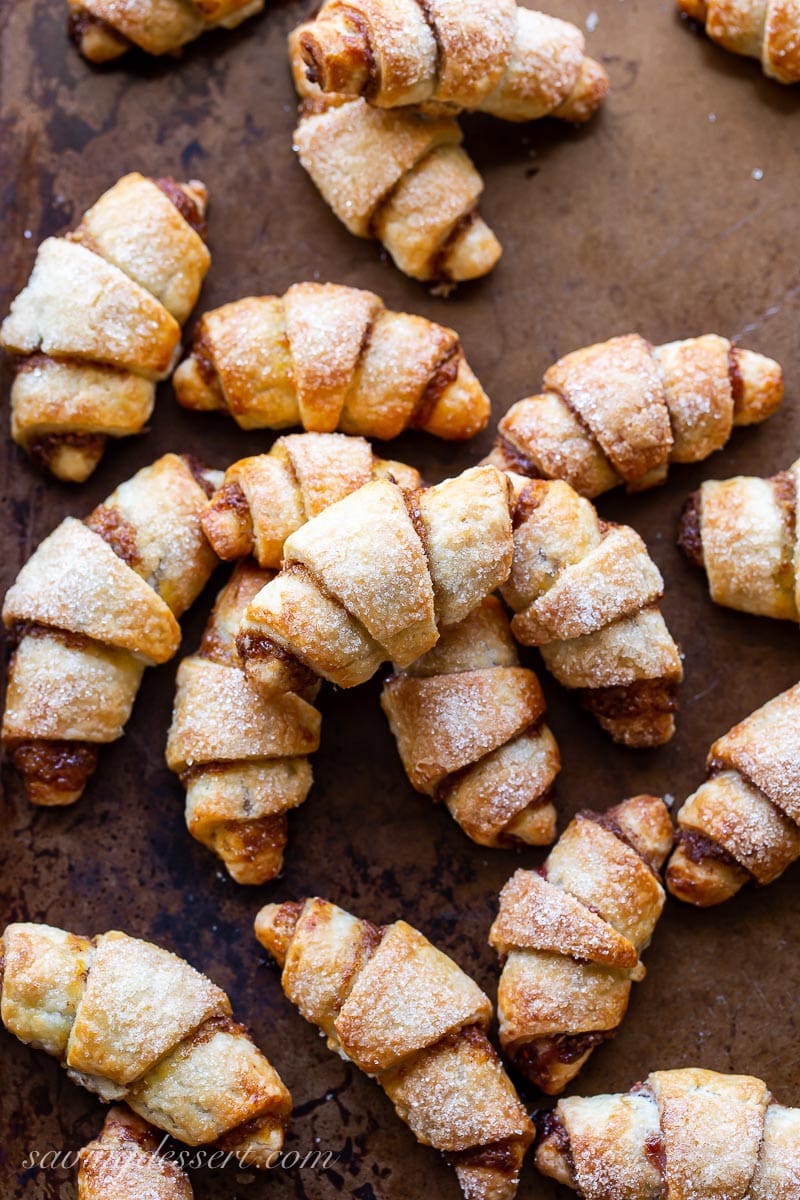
743 532
95 604
570 936
620 412
768 30
397 175
99 322
130 1021
743 823
469 725
104 30
329 357
586 593
375 577
386 999
491 55
687 1134
123 1163
242 757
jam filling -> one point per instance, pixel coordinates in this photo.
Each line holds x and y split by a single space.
231 498
55 766
690 530
33 629
527 502
536 1059
642 698
736 378
500 1156
698 848
117 532
515 459
439 264
606 821
251 839
259 646
185 204
45 448
655 1153
31 362
785 493
550 1128
444 374
203 356
198 471
415 514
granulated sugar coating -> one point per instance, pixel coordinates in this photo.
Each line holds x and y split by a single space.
688 1132
606 638
404 1012
623 410
390 568
569 938
645 220
96 603
330 357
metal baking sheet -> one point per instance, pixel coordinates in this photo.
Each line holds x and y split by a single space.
675 213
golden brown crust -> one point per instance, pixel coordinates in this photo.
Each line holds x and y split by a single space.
570 937
329 357
88 366
743 823
131 1021
623 410
123 1163
688 1133
586 593
496 57
104 30
376 576
105 600
266 498
243 758
94 605
153 230
404 1012
744 533
469 729
764 29
399 175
